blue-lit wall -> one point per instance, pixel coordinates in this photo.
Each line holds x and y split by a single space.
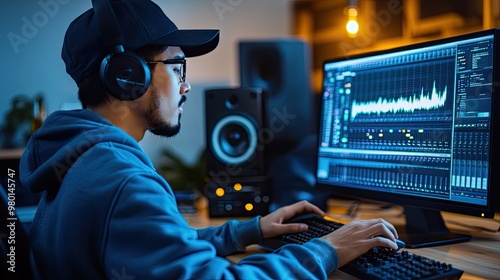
32 33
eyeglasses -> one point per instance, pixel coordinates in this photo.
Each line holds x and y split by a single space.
181 71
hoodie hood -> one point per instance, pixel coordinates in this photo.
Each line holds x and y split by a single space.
62 139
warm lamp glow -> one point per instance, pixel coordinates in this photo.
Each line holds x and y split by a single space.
352 12
352 26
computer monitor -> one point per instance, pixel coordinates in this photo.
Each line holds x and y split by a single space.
415 126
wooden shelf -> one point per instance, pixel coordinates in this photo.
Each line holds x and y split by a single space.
385 24
6 154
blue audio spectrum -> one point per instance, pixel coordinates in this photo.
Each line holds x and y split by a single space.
429 101
413 122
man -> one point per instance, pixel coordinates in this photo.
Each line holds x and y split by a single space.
106 213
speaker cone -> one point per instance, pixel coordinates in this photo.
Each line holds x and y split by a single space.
234 139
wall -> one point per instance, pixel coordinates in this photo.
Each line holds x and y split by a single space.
32 32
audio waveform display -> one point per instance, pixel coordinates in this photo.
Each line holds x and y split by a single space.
431 100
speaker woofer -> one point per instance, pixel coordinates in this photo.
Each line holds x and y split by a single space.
234 140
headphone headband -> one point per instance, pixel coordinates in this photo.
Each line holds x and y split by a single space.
108 24
125 74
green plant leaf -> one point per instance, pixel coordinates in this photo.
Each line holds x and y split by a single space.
179 174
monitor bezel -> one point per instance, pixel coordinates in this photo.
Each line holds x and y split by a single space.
487 211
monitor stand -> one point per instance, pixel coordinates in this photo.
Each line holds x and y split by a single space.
426 228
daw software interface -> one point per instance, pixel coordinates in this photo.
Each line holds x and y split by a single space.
414 122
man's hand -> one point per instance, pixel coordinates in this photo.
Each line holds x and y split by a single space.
272 225
356 238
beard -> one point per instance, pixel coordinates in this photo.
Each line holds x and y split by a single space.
157 125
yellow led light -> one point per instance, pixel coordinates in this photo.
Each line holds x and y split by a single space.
249 206
237 187
219 192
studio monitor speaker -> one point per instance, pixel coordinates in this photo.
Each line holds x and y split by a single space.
235 153
282 69
233 123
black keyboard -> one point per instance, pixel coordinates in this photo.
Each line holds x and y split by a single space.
378 263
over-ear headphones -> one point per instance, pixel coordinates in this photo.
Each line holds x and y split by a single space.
125 74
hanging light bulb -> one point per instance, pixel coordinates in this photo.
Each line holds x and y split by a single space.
352 25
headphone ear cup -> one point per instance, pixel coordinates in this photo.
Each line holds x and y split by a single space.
125 75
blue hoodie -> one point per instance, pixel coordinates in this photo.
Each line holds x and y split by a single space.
106 213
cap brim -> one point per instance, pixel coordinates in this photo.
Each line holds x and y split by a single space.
193 42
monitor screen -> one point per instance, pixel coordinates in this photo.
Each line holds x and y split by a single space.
414 126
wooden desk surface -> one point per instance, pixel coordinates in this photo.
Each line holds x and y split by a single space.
478 258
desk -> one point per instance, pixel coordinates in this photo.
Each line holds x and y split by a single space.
478 258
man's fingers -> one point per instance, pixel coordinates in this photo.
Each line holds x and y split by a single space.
290 228
301 208
381 233
380 227
381 241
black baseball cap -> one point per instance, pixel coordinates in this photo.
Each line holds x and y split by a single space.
141 23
